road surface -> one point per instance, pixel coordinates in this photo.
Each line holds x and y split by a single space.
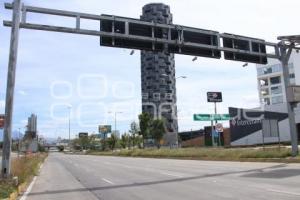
77 177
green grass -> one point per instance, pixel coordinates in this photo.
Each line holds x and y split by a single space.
24 168
6 189
235 154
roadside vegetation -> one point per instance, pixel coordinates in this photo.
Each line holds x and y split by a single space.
24 168
148 129
136 144
221 154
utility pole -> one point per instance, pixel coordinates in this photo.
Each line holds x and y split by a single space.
11 75
115 119
285 53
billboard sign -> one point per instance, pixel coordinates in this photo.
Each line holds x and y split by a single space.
214 97
82 135
104 129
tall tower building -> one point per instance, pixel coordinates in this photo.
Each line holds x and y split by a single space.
158 74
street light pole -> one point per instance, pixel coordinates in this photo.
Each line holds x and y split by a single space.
69 107
11 74
115 119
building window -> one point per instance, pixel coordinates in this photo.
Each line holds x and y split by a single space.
265 92
277 99
269 69
275 80
156 96
263 82
145 96
292 75
266 101
276 90
292 81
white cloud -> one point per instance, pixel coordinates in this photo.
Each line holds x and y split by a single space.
22 92
77 55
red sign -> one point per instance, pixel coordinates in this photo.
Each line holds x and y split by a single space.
2 121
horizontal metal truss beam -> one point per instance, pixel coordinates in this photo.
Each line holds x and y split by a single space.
78 30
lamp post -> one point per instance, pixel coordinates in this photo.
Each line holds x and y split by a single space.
115 119
69 107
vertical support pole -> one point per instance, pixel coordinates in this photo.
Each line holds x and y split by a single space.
12 63
70 128
115 122
212 134
278 134
78 22
285 55
216 111
126 28
263 133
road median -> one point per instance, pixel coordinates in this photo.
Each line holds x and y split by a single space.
217 154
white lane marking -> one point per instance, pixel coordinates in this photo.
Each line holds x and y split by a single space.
107 181
25 195
171 174
284 192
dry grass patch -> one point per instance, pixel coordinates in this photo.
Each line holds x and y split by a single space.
24 168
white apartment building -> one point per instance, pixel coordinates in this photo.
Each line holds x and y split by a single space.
272 95
270 80
271 89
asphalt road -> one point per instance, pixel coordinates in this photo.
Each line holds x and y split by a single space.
77 177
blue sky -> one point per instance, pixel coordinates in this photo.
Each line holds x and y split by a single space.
56 70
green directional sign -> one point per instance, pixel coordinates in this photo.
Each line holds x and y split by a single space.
221 117
202 117
211 117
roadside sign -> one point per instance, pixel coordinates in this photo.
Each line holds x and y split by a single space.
293 94
211 117
82 135
2 119
219 127
104 129
202 117
214 97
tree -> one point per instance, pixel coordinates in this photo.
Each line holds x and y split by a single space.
124 140
112 141
145 122
84 143
157 130
134 130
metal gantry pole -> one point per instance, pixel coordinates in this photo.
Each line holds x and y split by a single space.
285 56
11 75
